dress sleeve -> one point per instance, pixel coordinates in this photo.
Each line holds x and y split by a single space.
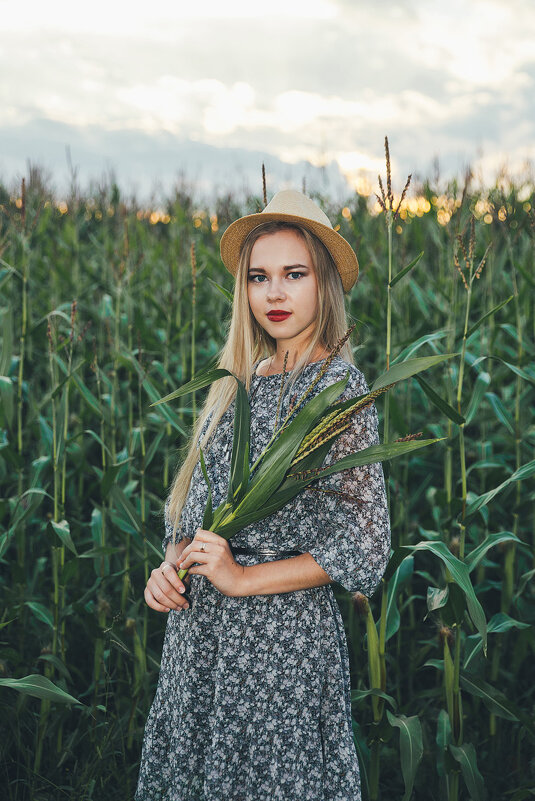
353 535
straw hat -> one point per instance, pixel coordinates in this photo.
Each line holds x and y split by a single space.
293 206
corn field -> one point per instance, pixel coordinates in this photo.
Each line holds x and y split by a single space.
106 307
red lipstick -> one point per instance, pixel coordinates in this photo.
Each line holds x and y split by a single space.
277 315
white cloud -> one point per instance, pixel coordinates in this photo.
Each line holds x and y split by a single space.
107 18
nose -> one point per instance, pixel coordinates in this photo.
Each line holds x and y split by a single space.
276 290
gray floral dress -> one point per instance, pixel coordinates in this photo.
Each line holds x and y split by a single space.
253 696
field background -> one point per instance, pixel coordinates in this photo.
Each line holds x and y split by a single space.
106 306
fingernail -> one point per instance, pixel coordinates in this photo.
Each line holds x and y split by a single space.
181 589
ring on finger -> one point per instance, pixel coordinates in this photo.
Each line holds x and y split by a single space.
203 547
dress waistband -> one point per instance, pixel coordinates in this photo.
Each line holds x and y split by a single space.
263 551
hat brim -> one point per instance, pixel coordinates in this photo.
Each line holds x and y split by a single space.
343 254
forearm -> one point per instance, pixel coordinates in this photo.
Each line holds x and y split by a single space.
172 552
283 575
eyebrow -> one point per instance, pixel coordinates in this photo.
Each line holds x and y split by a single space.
287 267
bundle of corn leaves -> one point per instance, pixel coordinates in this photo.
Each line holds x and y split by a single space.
293 457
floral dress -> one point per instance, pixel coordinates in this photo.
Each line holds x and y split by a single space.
253 697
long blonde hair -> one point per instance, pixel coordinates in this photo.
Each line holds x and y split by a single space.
248 342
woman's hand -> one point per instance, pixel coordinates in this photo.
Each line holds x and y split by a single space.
164 588
216 562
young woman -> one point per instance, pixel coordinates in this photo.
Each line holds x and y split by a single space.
253 698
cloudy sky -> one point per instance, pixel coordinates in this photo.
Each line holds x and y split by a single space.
206 91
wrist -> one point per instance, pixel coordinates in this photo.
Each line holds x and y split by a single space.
243 585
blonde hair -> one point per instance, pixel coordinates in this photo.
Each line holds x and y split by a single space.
248 342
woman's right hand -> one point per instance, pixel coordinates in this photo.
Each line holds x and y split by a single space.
164 590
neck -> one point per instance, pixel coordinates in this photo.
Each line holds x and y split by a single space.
277 360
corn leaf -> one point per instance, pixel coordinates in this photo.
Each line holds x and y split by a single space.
488 314
377 453
465 755
459 572
395 587
402 370
208 516
41 612
482 500
201 380
480 387
279 455
239 464
406 269
411 747
417 344
63 531
39 686
473 558
443 405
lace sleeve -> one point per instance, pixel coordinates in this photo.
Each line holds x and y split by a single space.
353 544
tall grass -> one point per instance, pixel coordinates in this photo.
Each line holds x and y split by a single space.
101 313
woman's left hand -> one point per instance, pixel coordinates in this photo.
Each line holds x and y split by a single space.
216 562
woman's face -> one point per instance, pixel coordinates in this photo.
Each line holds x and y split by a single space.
281 277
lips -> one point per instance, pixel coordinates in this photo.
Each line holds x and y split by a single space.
277 316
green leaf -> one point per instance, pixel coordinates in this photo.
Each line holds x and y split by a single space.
480 387
63 531
239 463
411 747
201 380
494 699
124 504
108 479
500 410
513 367
403 370
488 314
147 386
208 516
378 453
443 739
396 585
443 405
417 344
460 574
359 695
102 411
499 623
406 269
7 398
40 687
41 612
466 756
437 597
473 558
278 457
7 341
482 500
225 292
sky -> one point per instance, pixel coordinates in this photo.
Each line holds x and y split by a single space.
203 93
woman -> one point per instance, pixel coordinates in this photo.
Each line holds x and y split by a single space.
253 697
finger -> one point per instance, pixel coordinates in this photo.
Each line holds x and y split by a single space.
153 603
163 590
202 535
192 557
170 574
164 600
